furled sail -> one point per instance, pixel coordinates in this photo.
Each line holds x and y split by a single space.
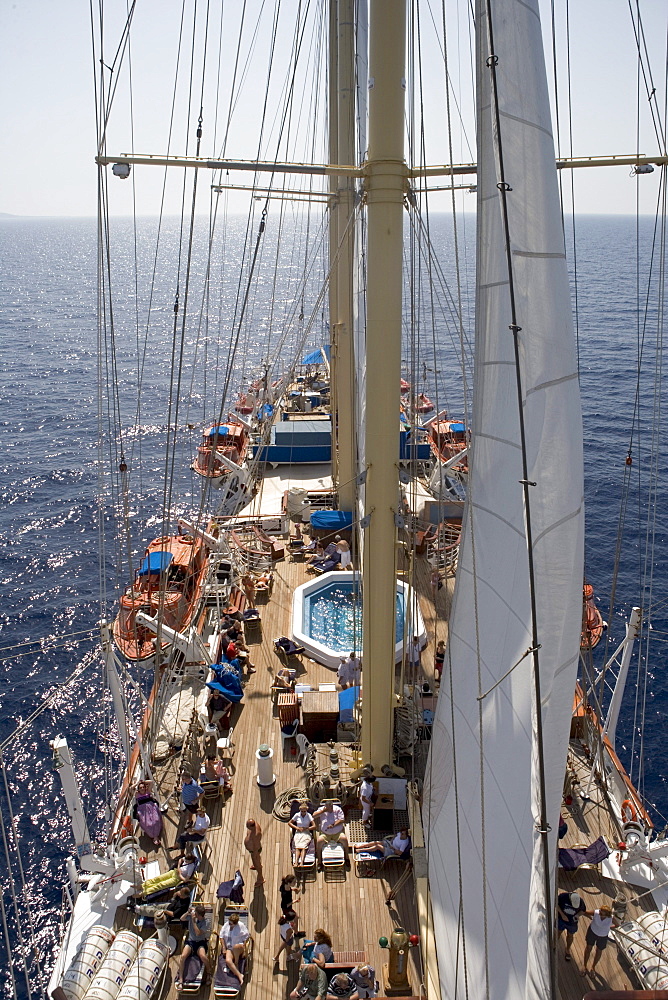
482 789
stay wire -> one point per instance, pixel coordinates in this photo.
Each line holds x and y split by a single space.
24 887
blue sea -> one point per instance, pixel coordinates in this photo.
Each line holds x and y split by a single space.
49 518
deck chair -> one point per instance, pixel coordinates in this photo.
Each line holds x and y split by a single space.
224 983
304 747
195 970
369 863
584 855
333 856
296 545
307 870
286 648
252 623
226 746
289 732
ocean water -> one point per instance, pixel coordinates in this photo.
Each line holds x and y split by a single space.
49 531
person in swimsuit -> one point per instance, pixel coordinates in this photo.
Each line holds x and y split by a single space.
253 844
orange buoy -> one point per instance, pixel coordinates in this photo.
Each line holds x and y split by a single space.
629 814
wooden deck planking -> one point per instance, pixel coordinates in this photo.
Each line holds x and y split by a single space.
587 820
353 912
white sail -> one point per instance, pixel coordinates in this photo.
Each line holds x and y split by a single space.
482 788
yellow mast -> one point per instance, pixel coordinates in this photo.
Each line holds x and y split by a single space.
333 144
386 177
345 235
341 252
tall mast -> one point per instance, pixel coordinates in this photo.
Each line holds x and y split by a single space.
333 143
385 175
342 150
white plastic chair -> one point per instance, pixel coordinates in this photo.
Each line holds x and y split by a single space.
304 746
226 746
288 732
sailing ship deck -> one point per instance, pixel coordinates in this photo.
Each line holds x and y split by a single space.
353 910
587 820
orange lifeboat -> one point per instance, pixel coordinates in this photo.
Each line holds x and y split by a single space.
169 583
593 625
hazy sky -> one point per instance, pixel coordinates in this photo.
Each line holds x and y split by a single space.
47 138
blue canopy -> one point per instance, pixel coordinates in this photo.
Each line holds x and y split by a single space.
315 357
221 429
156 562
332 520
347 699
459 428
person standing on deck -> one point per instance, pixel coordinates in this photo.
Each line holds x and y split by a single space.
343 674
602 921
253 844
439 660
367 797
414 657
248 584
346 559
191 793
354 669
364 977
569 908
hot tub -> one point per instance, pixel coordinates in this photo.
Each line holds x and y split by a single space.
327 617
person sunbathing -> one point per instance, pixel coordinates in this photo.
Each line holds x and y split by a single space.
303 825
197 941
332 824
284 679
318 553
234 935
392 847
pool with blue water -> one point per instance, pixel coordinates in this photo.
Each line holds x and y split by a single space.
333 616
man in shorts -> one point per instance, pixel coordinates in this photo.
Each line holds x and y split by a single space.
569 908
332 824
196 942
597 935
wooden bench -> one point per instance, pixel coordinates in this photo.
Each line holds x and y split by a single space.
238 602
344 961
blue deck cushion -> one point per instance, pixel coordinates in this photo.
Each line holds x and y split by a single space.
331 520
347 699
156 562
